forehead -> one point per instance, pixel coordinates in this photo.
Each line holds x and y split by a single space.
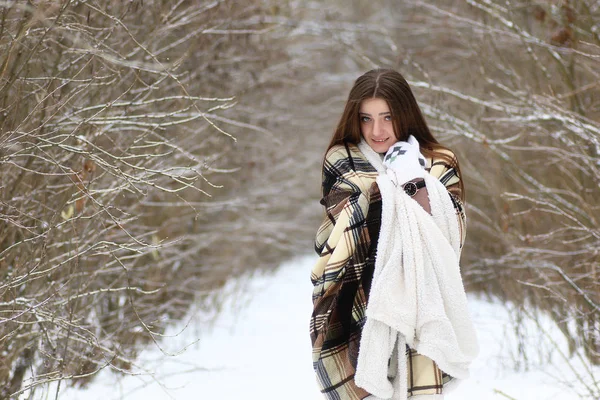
374 106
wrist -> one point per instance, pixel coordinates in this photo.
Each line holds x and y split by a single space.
412 187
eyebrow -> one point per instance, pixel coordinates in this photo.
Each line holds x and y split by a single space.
383 113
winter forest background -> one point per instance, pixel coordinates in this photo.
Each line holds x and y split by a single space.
151 150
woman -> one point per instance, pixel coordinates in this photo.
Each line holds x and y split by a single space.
381 139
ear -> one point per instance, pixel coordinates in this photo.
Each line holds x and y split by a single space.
412 140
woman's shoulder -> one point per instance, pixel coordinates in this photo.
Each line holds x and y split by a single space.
336 152
340 151
345 156
442 156
440 162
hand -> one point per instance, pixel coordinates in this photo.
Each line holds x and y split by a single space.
404 161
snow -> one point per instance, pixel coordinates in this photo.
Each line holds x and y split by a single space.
262 351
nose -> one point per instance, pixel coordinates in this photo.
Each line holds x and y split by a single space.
378 129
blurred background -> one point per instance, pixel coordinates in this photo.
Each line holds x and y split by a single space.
156 156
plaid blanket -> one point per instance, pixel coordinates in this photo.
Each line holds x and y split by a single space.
346 243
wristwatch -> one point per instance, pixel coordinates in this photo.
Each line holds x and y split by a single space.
411 188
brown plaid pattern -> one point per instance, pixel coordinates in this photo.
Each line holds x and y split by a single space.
346 242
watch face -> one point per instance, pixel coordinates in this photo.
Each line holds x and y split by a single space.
410 188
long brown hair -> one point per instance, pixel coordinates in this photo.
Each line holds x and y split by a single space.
407 119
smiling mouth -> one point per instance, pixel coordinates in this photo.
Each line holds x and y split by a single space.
380 141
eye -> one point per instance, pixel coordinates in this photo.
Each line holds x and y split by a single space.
364 118
388 117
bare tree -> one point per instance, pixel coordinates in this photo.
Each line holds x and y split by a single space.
115 130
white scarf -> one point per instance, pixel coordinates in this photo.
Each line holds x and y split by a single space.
417 295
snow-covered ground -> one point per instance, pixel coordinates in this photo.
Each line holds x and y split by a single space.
262 351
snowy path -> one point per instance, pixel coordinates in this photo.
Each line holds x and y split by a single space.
264 353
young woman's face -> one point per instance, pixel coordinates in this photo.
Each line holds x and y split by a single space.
376 124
